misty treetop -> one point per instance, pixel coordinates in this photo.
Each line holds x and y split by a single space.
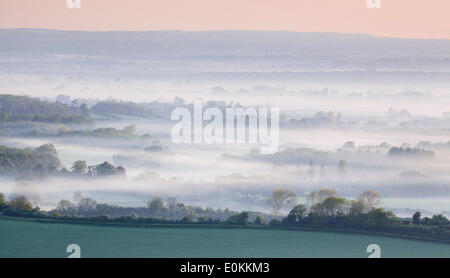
105 169
34 164
128 131
21 108
14 161
410 152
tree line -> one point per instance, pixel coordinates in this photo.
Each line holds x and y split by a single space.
21 108
156 212
41 162
326 209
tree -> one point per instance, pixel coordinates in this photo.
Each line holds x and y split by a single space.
2 199
6 164
416 218
21 204
121 170
315 197
380 218
79 168
357 207
349 145
92 171
156 205
187 219
47 149
129 130
281 198
298 213
106 169
327 193
63 172
274 222
13 160
87 204
67 207
16 108
259 220
439 219
331 206
64 205
370 198
39 171
238 219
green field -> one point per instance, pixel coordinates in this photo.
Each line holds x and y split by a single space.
23 238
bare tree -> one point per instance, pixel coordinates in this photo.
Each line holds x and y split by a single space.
357 207
281 198
315 197
370 199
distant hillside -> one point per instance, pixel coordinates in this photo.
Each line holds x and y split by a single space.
204 43
327 59
21 108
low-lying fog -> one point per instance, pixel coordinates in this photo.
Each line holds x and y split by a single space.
238 177
343 106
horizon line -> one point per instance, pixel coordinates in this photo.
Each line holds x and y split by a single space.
224 30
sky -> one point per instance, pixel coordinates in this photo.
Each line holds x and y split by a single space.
395 18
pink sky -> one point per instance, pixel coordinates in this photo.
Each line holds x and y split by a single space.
396 18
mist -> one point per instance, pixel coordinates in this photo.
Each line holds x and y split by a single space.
334 111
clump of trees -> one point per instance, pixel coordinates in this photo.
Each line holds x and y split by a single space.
36 164
41 160
435 220
259 220
105 169
20 204
17 206
326 209
238 219
280 198
410 152
325 202
127 132
20 108
39 163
